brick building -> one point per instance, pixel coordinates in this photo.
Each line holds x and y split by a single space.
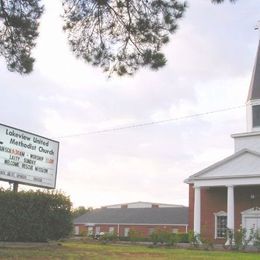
227 193
142 217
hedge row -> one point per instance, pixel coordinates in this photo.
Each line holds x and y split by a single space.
34 216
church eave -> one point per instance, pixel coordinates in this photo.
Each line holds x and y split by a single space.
192 180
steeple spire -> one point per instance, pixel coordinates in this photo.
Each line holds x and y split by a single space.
254 90
253 99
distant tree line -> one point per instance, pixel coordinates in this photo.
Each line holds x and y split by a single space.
76 212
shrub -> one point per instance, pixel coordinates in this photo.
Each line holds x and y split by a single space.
122 238
239 239
183 237
257 240
34 216
207 244
164 237
135 235
194 239
108 237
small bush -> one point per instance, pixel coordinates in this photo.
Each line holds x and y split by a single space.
257 240
164 237
183 237
108 237
239 239
135 236
123 238
194 239
207 244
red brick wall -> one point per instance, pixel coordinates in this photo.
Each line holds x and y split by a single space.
142 230
82 229
214 199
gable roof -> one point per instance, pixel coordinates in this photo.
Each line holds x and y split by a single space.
240 164
158 216
254 90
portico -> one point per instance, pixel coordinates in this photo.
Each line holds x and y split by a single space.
230 209
238 170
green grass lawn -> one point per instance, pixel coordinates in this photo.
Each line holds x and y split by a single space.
81 250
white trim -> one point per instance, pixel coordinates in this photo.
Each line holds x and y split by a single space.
129 224
88 224
219 214
242 176
227 182
250 213
247 134
249 115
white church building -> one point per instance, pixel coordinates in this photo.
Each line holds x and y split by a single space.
227 193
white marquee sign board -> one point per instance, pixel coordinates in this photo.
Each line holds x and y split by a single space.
27 158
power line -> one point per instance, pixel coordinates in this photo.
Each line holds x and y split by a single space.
114 129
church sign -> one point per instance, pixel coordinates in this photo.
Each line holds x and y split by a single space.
27 158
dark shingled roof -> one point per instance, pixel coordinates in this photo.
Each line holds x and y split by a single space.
254 90
176 215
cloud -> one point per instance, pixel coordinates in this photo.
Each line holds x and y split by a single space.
210 60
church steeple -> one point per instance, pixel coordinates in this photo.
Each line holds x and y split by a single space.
254 90
253 99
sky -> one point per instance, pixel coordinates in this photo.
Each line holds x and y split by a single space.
210 62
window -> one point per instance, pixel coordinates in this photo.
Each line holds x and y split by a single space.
126 232
111 230
90 231
256 115
151 230
97 230
220 224
76 230
175 230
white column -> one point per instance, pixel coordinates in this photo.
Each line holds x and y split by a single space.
230 211
197 210
230 207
